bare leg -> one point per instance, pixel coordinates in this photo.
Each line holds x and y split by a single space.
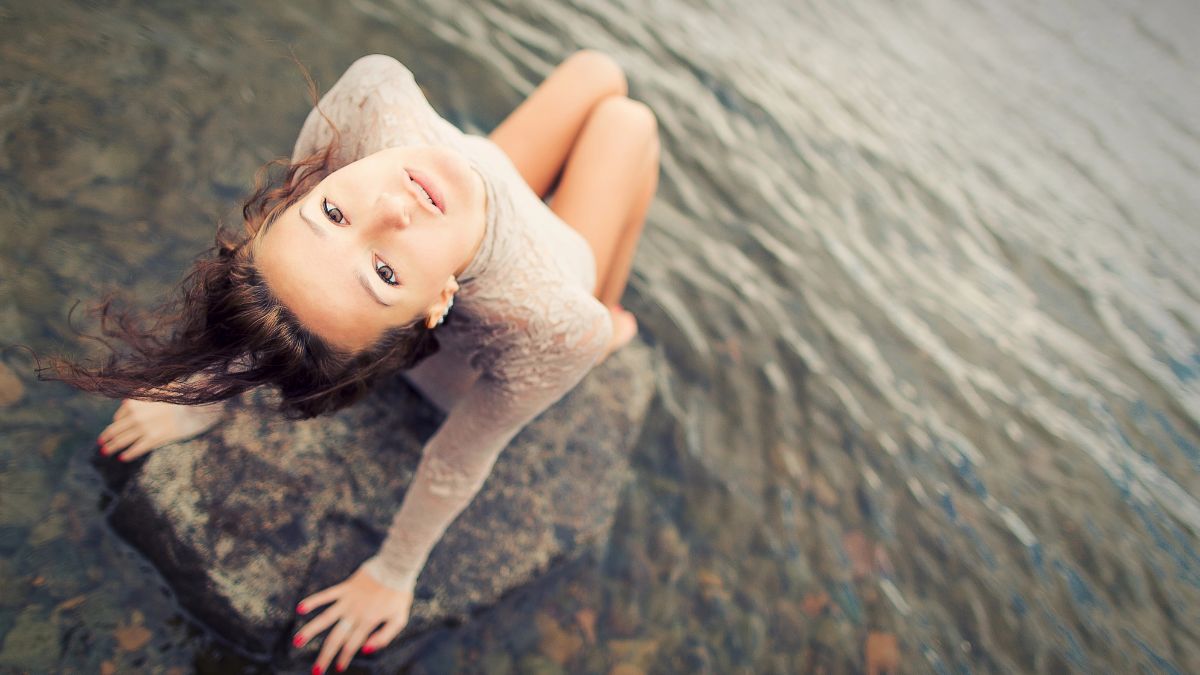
545 136
605 190
618 274
539 134
141 426
604 182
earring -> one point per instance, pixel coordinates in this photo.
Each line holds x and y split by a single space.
448 306
446 311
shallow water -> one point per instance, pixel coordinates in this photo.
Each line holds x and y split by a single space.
922 278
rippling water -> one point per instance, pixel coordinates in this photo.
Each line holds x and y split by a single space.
922 276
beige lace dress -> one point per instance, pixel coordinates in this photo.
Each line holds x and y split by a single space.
525 329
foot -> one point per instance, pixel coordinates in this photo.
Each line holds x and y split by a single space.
624 328
141 426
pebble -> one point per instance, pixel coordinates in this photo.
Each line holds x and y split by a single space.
11 388
858 549
556 644
824 492
132 636
586 618
640 652
815 603
883 654
534 664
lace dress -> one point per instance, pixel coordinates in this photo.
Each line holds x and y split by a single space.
525 329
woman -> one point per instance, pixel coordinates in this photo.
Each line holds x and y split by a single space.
397 243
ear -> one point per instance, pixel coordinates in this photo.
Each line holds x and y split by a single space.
444 300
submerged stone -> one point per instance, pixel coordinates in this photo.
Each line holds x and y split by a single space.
11 388
249 518
31 643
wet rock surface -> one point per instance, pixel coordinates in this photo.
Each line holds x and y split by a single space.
247 519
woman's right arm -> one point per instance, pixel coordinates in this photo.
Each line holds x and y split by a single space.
532 372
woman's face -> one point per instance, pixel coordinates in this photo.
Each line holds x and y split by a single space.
366 249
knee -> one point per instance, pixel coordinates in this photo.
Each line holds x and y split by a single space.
597 66
634 116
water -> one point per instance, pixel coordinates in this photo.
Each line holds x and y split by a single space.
922 278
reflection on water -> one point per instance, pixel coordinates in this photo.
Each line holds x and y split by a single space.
922 276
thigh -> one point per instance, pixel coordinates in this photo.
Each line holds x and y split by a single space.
538 135
606 173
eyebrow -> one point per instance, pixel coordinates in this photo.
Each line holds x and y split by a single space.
362 279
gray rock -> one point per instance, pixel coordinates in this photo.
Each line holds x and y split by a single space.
31 643
260 512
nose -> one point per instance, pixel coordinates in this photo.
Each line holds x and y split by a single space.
395 209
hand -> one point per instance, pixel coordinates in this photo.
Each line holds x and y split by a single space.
363 603
141 426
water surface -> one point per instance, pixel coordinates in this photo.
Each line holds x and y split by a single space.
922 278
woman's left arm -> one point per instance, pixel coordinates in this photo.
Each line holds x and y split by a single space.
534 368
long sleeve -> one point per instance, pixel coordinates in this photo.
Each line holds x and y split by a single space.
375 104
538 359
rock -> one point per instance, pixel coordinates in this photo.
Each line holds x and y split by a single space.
556 644
533 664
132 637
11 388
824 493
859 551
815 603
24 495
31 642
247 519
882 653
496 663
586 618
637 652
50 528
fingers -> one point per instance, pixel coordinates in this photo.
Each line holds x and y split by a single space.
385 635
113 429
356 640
122 440
312 628
122 410
139 448
335 639
319 598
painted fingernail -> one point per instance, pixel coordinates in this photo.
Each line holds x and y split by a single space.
301 608
367 649
298 640
340 667
103 448
317 670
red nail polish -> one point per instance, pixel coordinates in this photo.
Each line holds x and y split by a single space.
367 649
340 667
298 641
103 448
301 608
317 670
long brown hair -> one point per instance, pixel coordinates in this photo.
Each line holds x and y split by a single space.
225 332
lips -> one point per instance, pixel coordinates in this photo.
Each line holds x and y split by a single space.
427 183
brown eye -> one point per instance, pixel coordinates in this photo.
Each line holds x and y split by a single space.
385 272
333 213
